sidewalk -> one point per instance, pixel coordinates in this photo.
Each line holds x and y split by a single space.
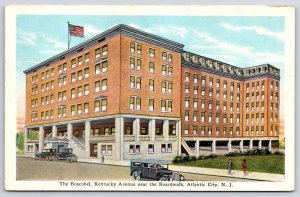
201 171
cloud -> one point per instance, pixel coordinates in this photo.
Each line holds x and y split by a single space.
168 30
26 38
90 30
53 42
258 30
134 26
228 52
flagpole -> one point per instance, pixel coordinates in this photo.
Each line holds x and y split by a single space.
68 35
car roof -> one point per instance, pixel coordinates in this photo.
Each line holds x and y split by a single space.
153 161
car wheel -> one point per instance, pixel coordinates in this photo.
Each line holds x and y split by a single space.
182 178
69 159
163 179
136 175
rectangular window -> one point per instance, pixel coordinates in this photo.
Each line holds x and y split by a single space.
138 103
106 149
139 48
132 47
170 58
163 69
103 104
86 89
132 63
104 66
86 108
134 149
186 101
72 110
170 87
164 56
163 105
163 86
73 63
104 50
170 70
186 115
187 77
151 148
195 116
131 102
79 109
151 85
87 57
138 83
151 67
97 52
151 104
103 84
132 82
151 53
170 103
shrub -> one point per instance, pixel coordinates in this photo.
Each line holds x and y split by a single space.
278 153
193 158
212 155
177 159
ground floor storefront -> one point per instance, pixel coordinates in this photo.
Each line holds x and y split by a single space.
117 137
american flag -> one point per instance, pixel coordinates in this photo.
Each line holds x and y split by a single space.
76 30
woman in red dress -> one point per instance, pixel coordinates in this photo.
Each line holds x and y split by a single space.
244 167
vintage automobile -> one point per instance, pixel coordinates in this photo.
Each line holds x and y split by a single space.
65 154
153 169
47 153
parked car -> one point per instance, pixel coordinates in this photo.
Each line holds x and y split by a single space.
65 154
46 153
153 169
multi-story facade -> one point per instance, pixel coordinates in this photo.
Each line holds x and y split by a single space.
228 108
125 94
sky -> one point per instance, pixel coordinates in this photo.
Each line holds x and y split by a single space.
240 41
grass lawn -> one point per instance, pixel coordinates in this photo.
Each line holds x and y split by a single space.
269 164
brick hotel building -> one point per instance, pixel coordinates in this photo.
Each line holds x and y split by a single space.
127 94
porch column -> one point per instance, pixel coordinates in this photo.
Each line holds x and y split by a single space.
151 128
25 139
229 146
69 133
270 145
54 131
259 144
242 145
41 139
251 145
136 129
87 131
119 141
166 130
178 135
213 147
197 147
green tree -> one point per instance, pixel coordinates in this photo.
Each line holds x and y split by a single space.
20 140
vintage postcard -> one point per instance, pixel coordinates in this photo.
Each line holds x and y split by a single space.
149 98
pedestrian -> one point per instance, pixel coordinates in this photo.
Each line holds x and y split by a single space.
244 167
229 166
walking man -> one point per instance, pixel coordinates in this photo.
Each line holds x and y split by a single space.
229 166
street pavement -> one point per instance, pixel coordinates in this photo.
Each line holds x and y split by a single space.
31 169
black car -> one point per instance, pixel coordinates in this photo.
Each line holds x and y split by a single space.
46 153
65 154
153 169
